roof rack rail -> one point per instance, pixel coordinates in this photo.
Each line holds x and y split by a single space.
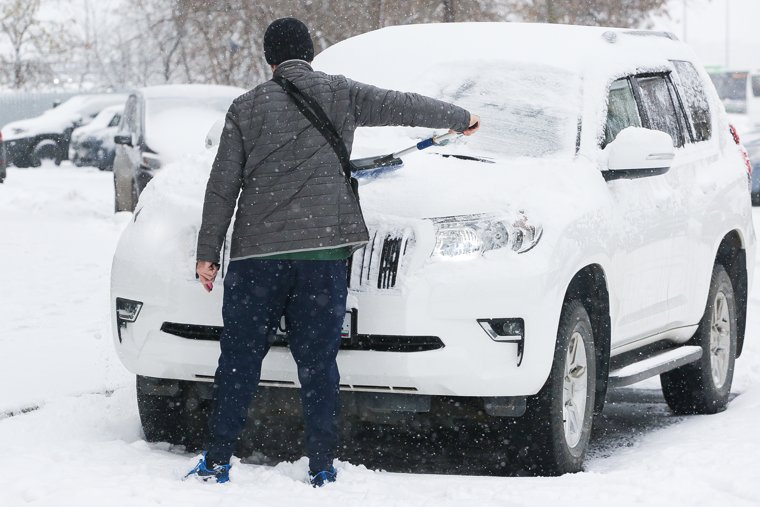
612 36
650 33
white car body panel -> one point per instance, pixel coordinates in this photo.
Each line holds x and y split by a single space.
655 239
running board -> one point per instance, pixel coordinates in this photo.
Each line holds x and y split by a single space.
651 366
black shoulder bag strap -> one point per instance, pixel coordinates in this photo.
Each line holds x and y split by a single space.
313 112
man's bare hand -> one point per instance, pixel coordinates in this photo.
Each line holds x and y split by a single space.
206 273
474 125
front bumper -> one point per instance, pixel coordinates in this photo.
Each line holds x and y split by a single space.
440 300
88 151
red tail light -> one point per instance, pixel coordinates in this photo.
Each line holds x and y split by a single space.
734 134
743 150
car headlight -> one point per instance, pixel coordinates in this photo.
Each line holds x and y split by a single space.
469 236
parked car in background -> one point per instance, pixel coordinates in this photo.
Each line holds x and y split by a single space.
751 143
161 123
732 89
92 144
3 159
46 137
753 98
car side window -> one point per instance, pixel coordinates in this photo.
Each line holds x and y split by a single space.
115 120
686 129
622 110
692 93
659 106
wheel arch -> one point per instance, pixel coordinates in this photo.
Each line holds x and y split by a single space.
732 255
589 286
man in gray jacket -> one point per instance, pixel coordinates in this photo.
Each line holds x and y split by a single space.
297 222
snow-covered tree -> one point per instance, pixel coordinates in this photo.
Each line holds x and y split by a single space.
25 36
621 13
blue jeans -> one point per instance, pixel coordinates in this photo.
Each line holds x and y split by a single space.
312 296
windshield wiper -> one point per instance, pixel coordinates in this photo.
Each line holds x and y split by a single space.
393 161
465 157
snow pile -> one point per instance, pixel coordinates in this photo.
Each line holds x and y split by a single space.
58 236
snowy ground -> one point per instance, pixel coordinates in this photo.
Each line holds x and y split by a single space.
70 433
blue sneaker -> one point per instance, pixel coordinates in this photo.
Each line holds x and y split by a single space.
321 478
219 474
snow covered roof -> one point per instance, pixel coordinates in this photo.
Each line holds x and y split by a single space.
413 48
112 109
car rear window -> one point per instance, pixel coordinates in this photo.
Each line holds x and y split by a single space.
692 93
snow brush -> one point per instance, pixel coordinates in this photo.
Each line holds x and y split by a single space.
371 167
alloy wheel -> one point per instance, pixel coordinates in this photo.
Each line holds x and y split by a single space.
574 389
720 340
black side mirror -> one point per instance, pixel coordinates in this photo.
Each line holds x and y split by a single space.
125 139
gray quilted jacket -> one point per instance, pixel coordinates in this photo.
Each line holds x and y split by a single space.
286 180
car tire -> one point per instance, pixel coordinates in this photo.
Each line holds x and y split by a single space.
703 387
177 414
46 149
162 415
553 435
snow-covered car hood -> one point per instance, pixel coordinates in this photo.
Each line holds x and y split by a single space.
427 186
178 117
98 125
56 120
43 124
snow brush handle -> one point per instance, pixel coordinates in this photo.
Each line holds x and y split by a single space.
437 140
446 138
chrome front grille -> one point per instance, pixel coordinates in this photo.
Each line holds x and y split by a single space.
381 262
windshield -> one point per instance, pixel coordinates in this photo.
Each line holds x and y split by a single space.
178 125
527 110
103 119
156 106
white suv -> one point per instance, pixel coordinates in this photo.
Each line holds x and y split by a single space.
595 232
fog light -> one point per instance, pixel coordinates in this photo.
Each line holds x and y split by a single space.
127 310
506 331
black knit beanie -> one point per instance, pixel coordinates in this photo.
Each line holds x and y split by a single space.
287 39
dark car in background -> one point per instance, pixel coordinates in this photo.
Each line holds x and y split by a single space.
3 163
46 137
92 144
751 143
160 124
732 89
